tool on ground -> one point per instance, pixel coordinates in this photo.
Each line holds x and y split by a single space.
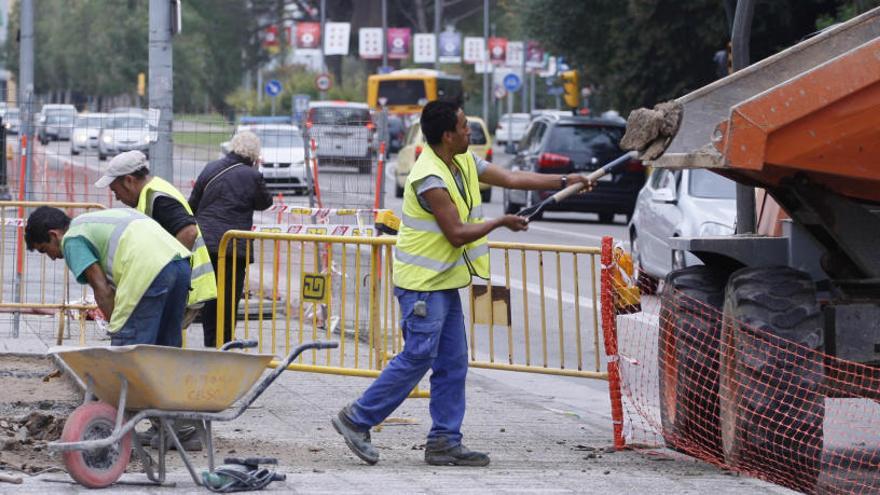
240 475
610 167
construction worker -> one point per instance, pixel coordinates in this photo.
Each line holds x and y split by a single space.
128 176
440 246
139 273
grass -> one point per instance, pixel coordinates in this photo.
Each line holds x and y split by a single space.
201 118
200 138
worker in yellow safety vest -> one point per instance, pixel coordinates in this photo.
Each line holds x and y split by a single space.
128 176
139 273
441 244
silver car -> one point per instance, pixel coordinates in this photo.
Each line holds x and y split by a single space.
12 120
673 203
282 157
86 129
511 127
124 132
343 132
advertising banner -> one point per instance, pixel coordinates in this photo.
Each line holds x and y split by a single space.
336 37
370 44
308 35
497 50
449 47
474 50
424 48
398 43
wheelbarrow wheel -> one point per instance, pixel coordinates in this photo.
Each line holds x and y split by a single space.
102 467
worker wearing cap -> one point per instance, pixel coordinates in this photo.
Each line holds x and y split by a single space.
139 273
128 176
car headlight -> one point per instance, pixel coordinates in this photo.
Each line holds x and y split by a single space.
80 137
146 138
107 138
708 229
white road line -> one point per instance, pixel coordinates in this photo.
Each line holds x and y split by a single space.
535 289
532 226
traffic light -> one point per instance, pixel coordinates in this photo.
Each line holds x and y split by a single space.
571 85
141 84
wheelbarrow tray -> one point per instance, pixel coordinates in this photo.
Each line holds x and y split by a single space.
166 378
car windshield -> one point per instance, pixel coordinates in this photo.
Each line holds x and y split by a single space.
709 185
339 116
277 138
478 137
403 92
130 122
12 114
59 119
582 138
89 122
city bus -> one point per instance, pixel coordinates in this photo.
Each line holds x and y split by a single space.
406 91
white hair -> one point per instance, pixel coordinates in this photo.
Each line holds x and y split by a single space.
246 144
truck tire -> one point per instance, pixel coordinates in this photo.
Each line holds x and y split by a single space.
772 408
687 352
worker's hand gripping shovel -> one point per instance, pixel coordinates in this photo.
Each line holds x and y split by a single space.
595 175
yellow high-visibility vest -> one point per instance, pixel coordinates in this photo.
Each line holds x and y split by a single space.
204 282
424 260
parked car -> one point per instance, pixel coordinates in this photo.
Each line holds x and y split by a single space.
85 133
673 203
12 120
563 144
124 132
56 126
511 127
481 144
282 156
343 132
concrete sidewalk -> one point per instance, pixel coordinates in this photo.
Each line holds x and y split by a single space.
545 435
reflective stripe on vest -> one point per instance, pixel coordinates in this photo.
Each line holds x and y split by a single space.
423 258
204 282
131 248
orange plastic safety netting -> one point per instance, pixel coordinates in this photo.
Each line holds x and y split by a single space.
734 369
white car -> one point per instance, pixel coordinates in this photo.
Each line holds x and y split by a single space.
282 156
679 203
511 127
124 132
343 132
85 133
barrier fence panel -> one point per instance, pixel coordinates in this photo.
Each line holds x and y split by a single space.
303 287
732 372
37 295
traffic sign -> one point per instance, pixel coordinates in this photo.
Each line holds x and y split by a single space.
556 90
323 82
273 88
500 92
300 106
512 82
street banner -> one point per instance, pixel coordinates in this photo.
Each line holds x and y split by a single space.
497 50
515 53
398 43
424 48
336 35
474 50
449 47
370 44
483 68
534 55
308 35
270 37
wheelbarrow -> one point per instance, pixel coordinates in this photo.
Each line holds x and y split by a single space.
128 384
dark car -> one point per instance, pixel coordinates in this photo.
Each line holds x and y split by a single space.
556 144
396 133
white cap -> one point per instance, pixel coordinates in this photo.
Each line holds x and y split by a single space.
122 164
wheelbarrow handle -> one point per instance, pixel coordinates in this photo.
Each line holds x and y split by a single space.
239 344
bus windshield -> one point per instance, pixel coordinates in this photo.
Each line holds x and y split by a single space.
403 91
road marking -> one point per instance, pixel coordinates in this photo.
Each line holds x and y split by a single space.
532 226
535 289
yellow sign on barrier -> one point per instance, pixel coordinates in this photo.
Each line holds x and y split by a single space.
315 287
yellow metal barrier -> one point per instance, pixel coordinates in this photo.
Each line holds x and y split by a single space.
42 289
308 287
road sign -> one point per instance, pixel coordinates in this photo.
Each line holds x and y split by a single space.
556 90
323 82
500 92
273 88
512 82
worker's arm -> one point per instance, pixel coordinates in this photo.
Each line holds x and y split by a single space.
458 233
187 236
520 179
104 292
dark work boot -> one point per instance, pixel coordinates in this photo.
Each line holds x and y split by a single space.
358 441
438 452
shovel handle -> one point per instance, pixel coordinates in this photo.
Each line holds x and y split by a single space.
595 175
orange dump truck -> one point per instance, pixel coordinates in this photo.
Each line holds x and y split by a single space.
797 315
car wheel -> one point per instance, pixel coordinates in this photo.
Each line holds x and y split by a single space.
510 207
102 156
73 151
606 217
486 196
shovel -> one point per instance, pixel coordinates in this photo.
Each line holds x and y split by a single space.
595 175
